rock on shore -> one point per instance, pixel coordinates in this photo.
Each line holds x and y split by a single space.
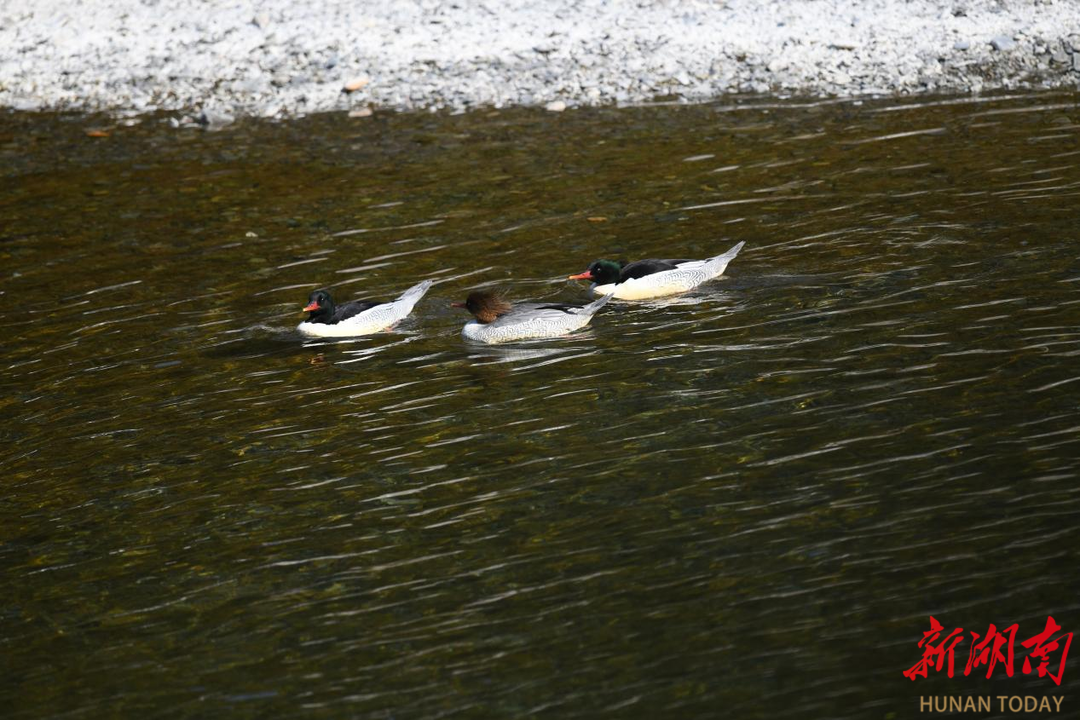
280 57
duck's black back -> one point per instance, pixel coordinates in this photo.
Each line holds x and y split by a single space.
641 268
349 309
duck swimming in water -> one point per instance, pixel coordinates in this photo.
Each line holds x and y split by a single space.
653 278
359 317
499 321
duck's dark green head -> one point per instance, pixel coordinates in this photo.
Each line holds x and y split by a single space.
320 305
601 272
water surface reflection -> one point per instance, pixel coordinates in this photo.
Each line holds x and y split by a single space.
745 501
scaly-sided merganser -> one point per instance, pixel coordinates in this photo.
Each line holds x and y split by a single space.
359 317
498 321
653 278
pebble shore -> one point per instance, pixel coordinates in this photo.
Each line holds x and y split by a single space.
279 58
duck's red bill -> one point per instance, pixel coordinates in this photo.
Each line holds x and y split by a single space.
311 307
581 276
457 305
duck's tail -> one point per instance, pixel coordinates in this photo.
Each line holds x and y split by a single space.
595 305
715 266
412 296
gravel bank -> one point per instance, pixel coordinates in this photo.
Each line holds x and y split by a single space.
281 57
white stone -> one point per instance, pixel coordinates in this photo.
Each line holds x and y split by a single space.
281 57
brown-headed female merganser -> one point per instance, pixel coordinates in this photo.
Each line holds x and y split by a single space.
498 321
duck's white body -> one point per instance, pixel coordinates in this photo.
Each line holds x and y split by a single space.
532 320
686 276
371 320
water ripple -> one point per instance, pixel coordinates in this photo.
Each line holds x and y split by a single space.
872 417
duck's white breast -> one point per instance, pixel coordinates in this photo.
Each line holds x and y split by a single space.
686 276
599 290
370 321
528 328
669 282
354 326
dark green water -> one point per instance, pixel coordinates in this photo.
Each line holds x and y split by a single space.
745 502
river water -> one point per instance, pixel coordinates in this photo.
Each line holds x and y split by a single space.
742 502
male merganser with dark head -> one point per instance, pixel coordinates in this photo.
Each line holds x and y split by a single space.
653 278
359 317
498 321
